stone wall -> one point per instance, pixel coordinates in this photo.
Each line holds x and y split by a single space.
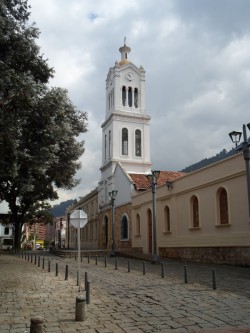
217 255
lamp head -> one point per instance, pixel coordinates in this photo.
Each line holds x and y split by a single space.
235 137
113 194
156 174
169 184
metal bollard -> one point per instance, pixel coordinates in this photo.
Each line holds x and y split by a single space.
129 265
105 261
88 292
162 270
185 274
86 280
36 324
78 278
144 268
96 260
66 272
56 269
38 261
49 266
43 264
80 308
35 260
214 280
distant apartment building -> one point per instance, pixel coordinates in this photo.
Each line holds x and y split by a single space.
6 237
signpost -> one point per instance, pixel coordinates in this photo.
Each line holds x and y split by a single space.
78 218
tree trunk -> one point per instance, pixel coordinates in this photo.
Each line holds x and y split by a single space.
17 234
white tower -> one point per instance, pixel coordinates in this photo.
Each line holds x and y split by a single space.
125 131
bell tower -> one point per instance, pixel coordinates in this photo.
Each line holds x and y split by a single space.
125 130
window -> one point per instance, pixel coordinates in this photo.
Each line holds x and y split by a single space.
166 225
137 142
136 97
109 143
124 141
195 212
138 225
130 97
223 206
124 228
124 93
105 147
6 230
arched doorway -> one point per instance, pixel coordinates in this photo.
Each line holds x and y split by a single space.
150 242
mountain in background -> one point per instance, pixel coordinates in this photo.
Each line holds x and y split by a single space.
60 209
207 161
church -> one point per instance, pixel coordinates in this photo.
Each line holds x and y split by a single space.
200 216
126 160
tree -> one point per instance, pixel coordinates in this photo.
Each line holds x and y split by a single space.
39 126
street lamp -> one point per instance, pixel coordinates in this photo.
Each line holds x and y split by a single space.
112 195
152 178
235 137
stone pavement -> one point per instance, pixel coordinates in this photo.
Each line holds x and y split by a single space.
122 298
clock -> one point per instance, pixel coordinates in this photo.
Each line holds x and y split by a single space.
130 76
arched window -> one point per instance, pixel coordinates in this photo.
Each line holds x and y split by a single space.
130 102
166 225
195 212
124 228
223 206
124 141
137 142
6 230
136 97
105 147
109 143
138 225
124 93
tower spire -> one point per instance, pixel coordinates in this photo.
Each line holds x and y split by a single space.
124 53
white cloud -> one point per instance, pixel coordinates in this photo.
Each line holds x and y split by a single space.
196 57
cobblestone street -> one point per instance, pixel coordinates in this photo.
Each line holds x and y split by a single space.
122 298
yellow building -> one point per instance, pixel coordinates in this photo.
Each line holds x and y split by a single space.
202 217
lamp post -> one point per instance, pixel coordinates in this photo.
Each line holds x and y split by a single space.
112 195
152 178
235 137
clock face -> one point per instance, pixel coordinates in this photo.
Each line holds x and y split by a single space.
130 76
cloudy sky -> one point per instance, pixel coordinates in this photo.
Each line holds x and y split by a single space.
196 54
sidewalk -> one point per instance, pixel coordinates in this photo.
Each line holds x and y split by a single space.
120 301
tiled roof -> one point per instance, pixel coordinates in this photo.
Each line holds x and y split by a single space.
141 182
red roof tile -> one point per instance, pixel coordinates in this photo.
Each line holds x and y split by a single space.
141 182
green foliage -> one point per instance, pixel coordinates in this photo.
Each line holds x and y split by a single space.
39 126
